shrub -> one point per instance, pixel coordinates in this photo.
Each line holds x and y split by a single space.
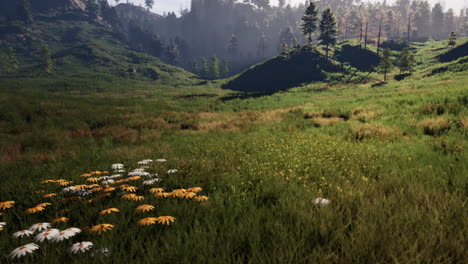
436 127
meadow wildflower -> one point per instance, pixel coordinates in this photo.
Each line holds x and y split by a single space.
156 190
165 220
65 183
147 221
161 160
106 182
134 178
119 171
200 198
321 201
144 208
49 195
23 250
150 182
162 195
144 162
6 204
62 235
186 195
35 209
101 228
39 227
172 171
109 189
129 188
96 173
115 176
81 247
69 189
86 175
73 230
93 179
2 225
22 233
117 166
60 220
46 235
178 192
43 204
194 189
47 181
80 187
109 211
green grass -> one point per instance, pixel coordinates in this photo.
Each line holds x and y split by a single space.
391 158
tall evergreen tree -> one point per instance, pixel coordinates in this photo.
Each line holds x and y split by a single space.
203 68
286 36
172 53
406 61
24 12
47 64
309 21
224 69
194 67
437 22
327 30
214 68
385 63
452 39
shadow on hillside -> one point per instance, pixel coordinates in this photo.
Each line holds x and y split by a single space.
362 59
231 97
454 54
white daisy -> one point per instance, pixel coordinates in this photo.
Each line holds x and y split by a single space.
107 182
66 234
49 234
103 178
117 166
81 246
172 171
150 182
22 233
39 227
115 176
321 201
23 250
119 171
161 160
2 224
69 189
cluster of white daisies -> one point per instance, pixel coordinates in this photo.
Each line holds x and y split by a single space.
49 234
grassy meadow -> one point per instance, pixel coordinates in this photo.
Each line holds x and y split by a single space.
391 158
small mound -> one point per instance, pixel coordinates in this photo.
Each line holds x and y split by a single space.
454 54
300 66
359 58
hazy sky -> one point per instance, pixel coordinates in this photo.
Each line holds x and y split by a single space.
176 5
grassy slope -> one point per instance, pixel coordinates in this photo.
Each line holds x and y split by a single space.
84 49
392 159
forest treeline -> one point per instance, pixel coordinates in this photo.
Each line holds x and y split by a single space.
238 34
249 31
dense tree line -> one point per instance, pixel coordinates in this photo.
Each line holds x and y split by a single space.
248 31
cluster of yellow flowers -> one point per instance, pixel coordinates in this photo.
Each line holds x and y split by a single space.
94 186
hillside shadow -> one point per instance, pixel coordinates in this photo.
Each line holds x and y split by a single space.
246 95
454 54
362 59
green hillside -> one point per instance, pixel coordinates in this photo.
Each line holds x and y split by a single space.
83 48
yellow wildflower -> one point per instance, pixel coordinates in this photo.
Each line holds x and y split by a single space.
101 228
144 208
109 211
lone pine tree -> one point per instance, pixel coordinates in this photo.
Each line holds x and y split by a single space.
327 30
309 21
385 63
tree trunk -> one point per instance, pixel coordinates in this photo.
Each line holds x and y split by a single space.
365 38
380 34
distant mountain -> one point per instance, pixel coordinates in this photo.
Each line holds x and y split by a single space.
139 15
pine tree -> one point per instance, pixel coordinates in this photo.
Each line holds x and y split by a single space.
149 4
214 68
406 61
47 64
203 68
224 69
284 48
327 30
385 63
23 10
9 61
172 53
194 67
452 39
309 21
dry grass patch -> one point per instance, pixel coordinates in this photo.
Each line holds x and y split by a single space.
10 153
463 122
366 113
436 127
322 122
373 130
